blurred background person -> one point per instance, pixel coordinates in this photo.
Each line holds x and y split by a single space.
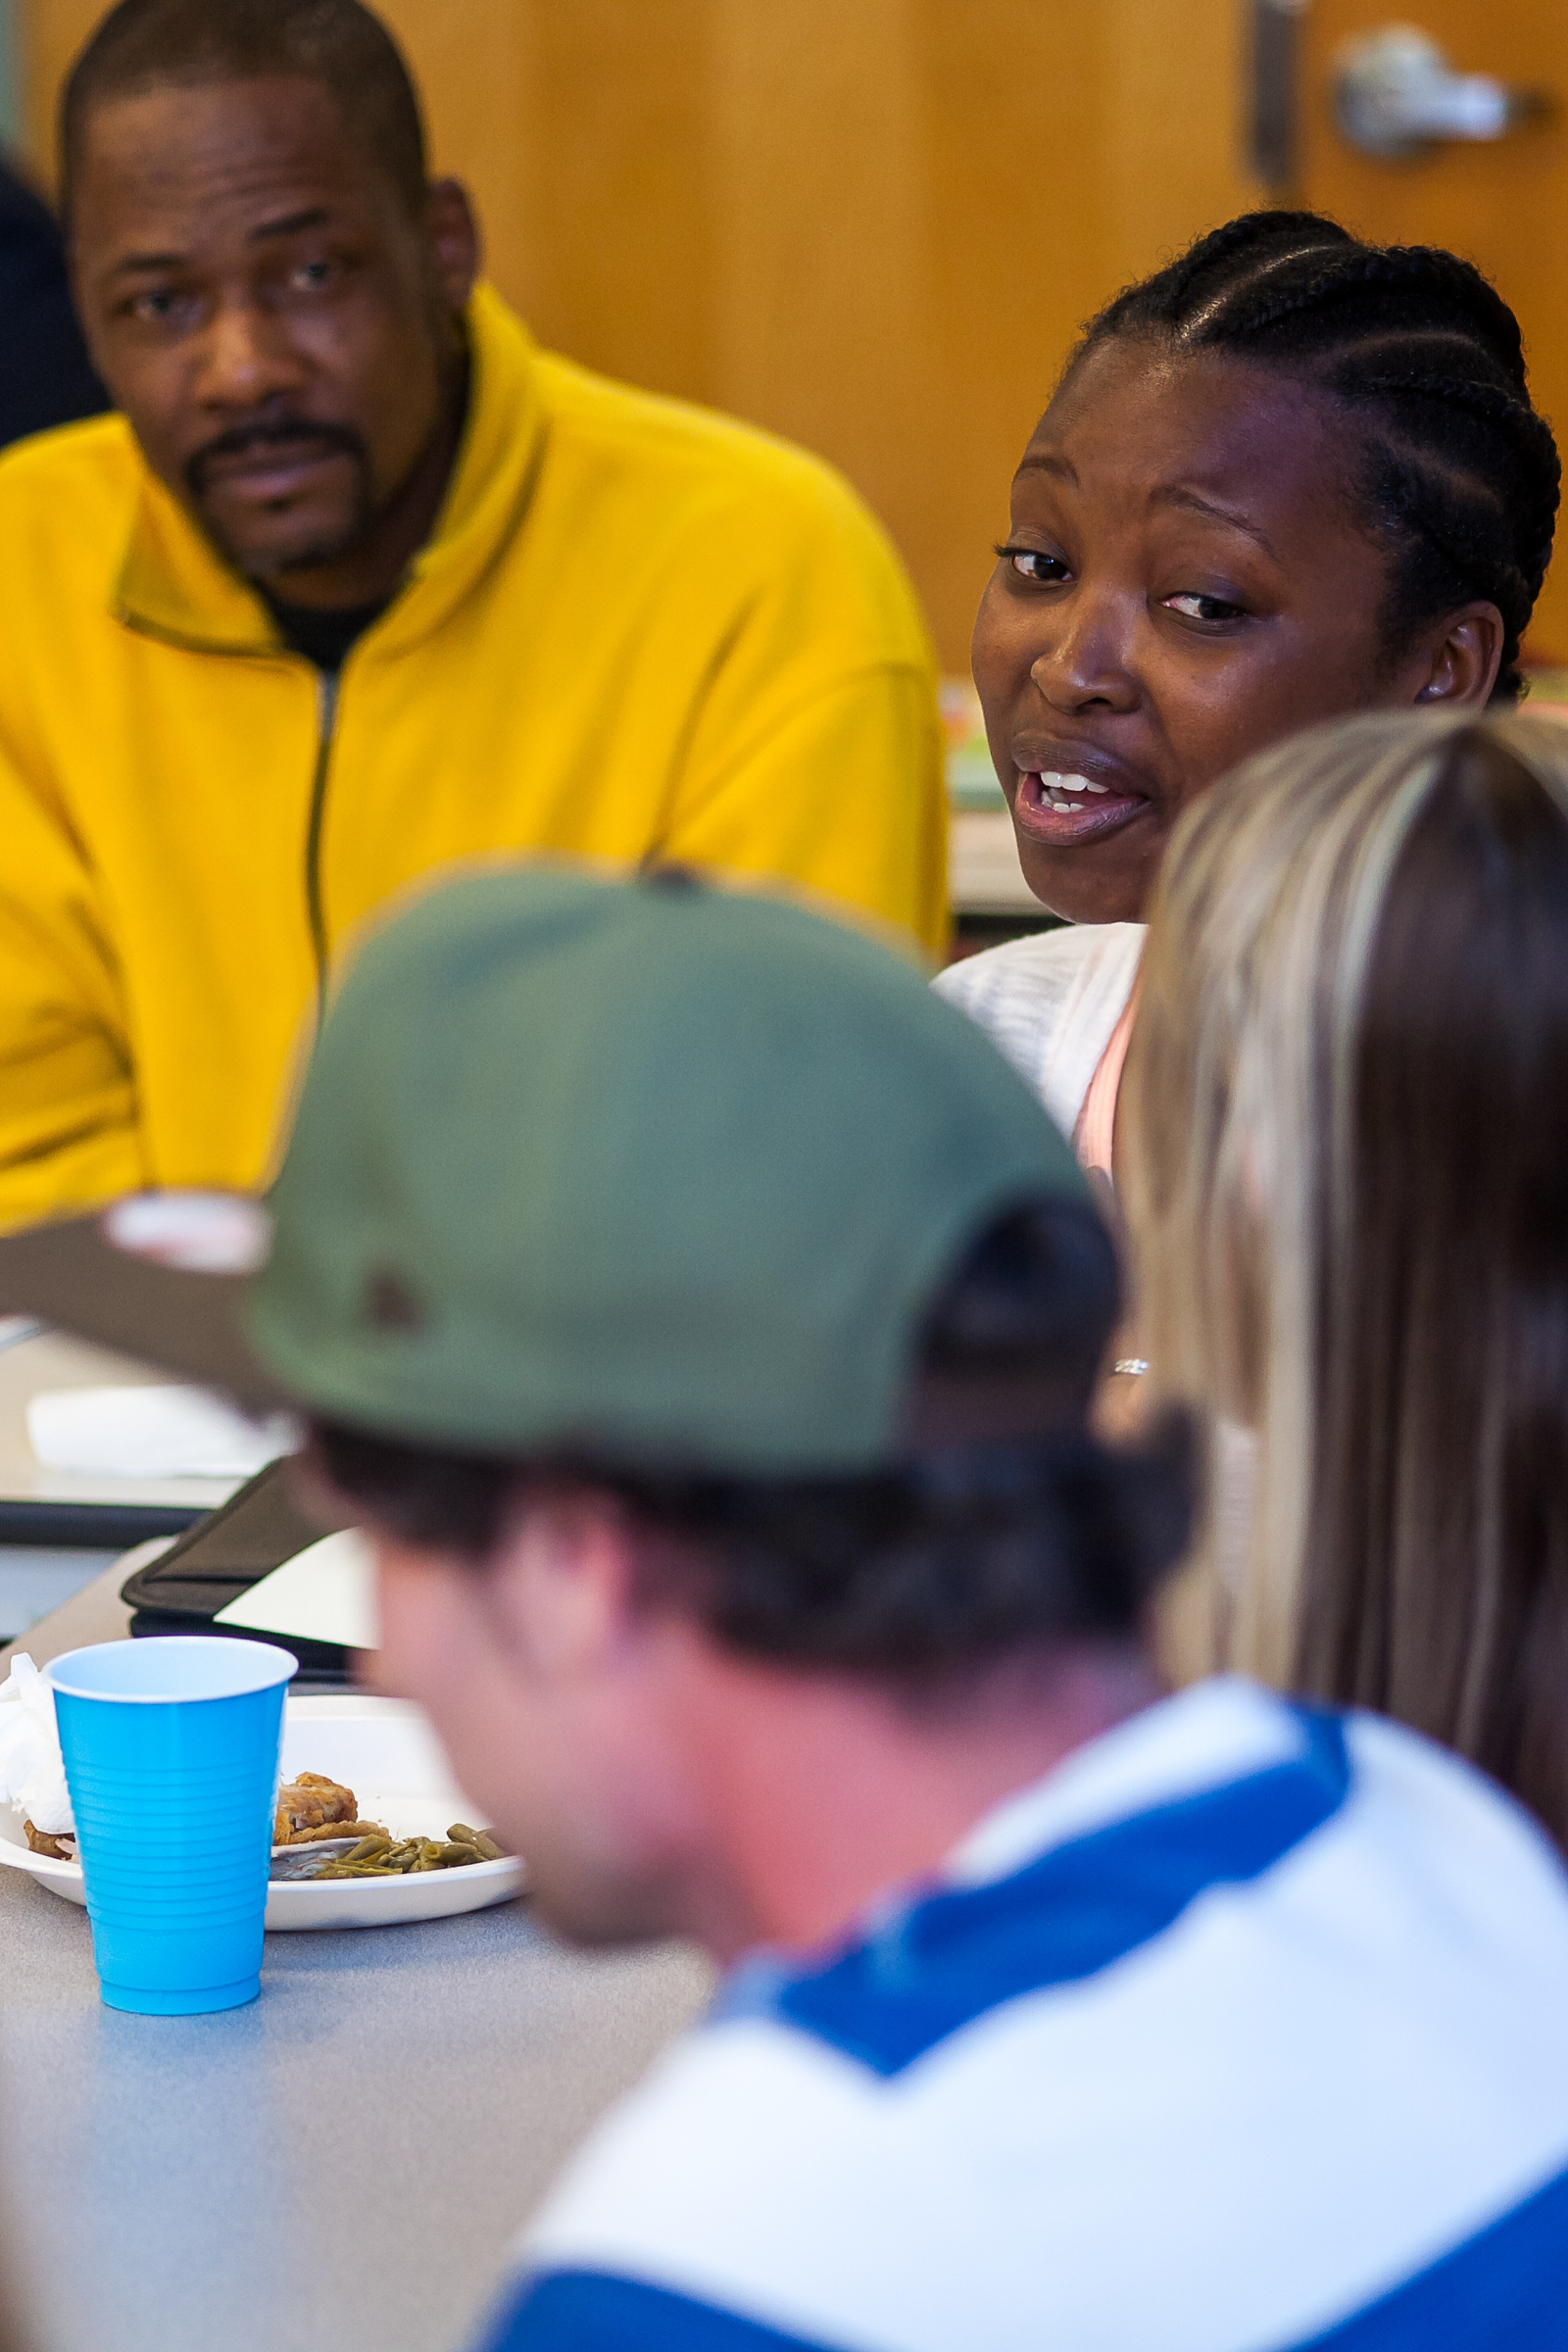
45 375
1347 1179
1289 477
360 583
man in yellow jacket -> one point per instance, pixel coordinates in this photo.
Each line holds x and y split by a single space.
360 583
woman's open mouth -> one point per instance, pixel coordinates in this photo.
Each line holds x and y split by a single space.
1064 809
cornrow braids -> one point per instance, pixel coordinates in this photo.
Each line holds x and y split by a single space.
1460 474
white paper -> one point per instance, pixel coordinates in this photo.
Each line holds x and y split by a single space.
32 1777
323 1594
152 1431
205 1233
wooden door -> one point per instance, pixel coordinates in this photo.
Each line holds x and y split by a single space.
873 226
1503 205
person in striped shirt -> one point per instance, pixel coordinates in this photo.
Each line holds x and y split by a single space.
701 1317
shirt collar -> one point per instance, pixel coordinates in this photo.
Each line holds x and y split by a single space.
1217 1732
172 583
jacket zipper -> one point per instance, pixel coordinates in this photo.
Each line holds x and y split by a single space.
326 720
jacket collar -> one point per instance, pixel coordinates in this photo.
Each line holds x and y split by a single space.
173 585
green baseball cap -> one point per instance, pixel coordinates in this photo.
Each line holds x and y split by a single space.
646 1167
655 1171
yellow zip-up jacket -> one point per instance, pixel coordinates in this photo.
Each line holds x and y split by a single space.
637 628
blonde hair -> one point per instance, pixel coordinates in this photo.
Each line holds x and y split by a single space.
1292 1249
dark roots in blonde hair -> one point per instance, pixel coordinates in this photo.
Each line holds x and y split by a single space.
1436 1573
1460 475
1347 1186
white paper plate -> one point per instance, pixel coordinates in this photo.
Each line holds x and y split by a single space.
385 1751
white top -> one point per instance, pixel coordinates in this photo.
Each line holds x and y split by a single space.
1051 1003
1243 2031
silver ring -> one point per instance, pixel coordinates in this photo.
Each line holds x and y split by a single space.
1134 1365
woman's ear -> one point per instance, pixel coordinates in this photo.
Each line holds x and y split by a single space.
1459 663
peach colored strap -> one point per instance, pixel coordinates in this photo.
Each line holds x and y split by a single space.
1096 1132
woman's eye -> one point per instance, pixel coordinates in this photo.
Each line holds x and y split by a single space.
311 276
1194 607
1030 565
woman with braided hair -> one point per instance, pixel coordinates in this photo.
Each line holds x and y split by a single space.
1289 477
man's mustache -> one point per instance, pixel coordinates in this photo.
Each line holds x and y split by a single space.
279 433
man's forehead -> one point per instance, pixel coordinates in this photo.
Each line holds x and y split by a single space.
217 157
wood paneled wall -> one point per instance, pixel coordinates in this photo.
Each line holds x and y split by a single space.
870 225
1494 203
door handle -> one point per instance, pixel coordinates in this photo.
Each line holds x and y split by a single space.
1396 94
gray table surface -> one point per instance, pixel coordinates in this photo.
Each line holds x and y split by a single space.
343 2164
47 1360
95 1614
35 1575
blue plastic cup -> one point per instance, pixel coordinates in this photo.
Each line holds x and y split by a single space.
170 1749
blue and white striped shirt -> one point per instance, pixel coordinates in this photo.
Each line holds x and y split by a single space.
1245 2031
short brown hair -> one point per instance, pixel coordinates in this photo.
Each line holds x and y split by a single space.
1348 1187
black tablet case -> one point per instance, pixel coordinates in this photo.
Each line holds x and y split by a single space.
219 1558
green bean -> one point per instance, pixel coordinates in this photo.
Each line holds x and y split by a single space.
484 1844
386 1858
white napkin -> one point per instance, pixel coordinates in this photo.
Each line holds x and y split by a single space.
325 1592
32 1777
151 1432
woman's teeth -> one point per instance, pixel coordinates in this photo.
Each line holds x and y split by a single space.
1052 785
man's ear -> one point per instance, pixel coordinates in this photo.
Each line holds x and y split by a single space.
561 1583
1459 665
452 235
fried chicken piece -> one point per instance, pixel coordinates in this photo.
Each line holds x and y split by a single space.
42 1842
313 1805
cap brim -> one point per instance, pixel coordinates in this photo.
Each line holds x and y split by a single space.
70 1274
